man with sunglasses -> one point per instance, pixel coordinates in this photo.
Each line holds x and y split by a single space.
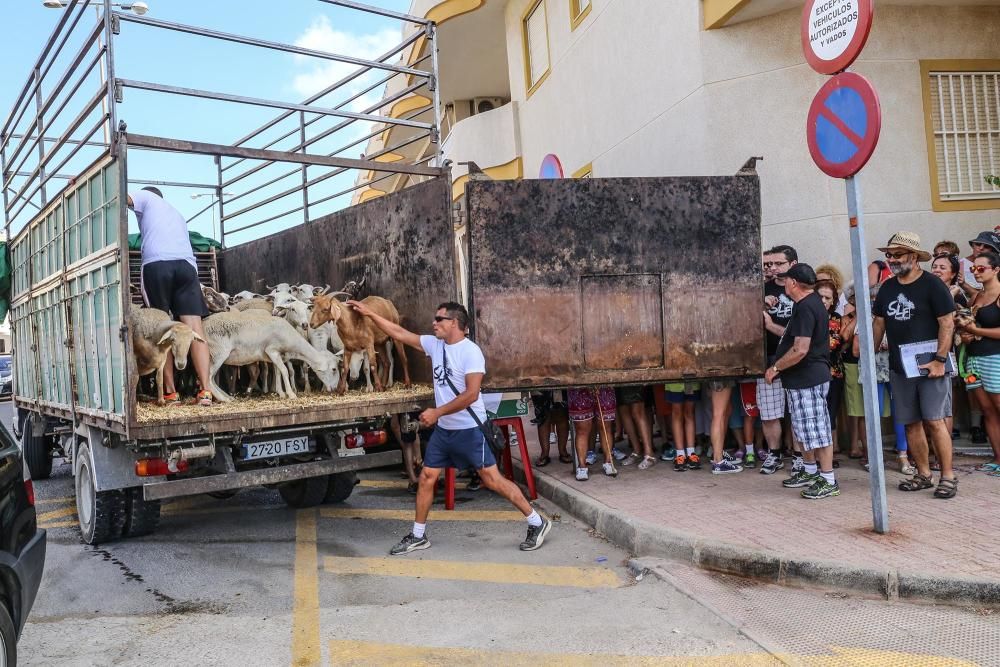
457 440
914 307
778 306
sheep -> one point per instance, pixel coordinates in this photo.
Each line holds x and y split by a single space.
149 325
305 292
217 302
253 304
244 296
237 340
356 332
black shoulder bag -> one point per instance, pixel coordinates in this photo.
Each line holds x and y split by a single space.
494 436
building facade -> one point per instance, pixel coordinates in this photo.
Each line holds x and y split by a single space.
695 87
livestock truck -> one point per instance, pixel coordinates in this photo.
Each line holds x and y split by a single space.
569 282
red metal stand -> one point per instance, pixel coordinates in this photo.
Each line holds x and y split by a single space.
505 425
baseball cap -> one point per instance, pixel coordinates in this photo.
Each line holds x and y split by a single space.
800 273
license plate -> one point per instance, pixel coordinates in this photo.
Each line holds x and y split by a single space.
272 448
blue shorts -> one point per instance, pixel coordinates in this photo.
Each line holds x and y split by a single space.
463 449
678 397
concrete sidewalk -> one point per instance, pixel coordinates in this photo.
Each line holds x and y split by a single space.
748 524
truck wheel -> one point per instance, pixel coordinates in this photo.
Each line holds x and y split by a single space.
304 492
101 513
37 453
141 516
340 486
8 638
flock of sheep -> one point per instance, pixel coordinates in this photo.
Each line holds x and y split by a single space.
293 324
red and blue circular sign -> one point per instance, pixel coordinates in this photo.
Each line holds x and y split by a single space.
551 167
844 124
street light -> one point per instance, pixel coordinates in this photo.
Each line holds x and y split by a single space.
214 202
138 8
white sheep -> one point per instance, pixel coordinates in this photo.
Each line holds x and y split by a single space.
153 335
237 340
305 292
244 296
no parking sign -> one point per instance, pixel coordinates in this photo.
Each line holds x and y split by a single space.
844 124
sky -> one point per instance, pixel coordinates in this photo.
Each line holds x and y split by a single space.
167 57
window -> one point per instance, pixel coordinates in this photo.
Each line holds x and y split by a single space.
962 110
578 10
535 36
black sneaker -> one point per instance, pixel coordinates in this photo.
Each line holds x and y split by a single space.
410 543
821 489
474 484
800 479
536 535
771 465
977 435
680 463
693 462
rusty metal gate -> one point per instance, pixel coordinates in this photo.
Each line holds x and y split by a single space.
616 280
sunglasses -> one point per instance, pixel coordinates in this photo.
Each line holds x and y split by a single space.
979 269
896 255
442 318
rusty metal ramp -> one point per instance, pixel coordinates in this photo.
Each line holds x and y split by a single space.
616 280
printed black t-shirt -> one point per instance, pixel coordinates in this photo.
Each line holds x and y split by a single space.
809 320
780 314
911 311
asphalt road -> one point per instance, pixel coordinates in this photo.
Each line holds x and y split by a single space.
247 581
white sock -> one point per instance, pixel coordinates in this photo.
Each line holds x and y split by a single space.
828 476
418 529
811 468
534 519
689 451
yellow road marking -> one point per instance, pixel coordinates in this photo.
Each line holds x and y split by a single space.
305 613
63 500
495 573
383 483
57 514
346 652
59 524
407 515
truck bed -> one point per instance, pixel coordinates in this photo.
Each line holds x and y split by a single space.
245 414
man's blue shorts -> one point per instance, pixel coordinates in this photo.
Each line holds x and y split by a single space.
462 449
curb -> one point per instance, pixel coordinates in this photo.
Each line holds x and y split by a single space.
644 539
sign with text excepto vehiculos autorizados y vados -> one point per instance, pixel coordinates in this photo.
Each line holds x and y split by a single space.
834 32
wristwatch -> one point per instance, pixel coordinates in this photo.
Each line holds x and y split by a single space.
938 358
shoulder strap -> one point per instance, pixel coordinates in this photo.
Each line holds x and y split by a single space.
447 378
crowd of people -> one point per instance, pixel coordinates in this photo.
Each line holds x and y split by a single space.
934 328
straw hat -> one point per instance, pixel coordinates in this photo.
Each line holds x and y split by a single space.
908 241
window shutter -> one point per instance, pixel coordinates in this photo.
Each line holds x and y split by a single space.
965 115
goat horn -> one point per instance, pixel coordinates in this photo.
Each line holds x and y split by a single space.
347 294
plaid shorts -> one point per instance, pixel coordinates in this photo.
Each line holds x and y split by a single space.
770 399
811 416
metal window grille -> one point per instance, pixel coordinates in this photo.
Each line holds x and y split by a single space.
537 46
965 113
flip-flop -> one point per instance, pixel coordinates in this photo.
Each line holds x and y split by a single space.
565 458
542 461
982 467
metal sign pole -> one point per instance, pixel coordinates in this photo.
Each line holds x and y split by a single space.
873 416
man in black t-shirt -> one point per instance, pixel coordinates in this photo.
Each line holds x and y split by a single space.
777 312
915 307
803 363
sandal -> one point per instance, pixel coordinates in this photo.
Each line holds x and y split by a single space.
852 455
565 458
647 462
947 488
542 461
630 459
916 483
982 467
204 398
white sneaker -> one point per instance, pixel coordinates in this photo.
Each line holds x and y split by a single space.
798 464
609 469
582 474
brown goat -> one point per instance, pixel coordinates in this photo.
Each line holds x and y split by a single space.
358 333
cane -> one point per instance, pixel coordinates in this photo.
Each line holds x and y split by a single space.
605 439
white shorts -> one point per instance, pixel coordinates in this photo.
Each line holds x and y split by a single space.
770 399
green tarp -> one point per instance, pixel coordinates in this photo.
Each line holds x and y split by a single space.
199 243
6 271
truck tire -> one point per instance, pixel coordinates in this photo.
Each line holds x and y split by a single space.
340 486
101 514
8 638
307 492
37 453
141 516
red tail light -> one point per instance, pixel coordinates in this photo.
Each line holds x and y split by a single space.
30 490
366 439
157 467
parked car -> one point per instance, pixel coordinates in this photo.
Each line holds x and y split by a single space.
6 376
22 546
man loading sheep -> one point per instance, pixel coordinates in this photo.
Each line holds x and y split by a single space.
457 441
169 279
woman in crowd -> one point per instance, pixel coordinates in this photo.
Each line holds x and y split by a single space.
827 291
948 269
683 396
832 274
551 417
721 393
982 339
637 425
587 406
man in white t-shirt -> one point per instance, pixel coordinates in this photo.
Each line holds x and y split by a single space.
457 441
169 278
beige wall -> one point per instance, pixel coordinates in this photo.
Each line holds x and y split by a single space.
639 89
